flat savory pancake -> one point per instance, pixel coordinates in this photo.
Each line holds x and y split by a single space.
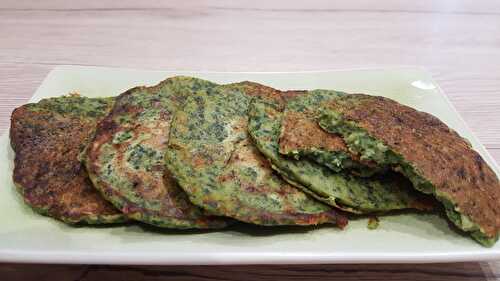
343 190
47 138
126 157
434 157
213 159
302 137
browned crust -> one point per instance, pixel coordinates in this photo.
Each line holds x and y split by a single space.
298 132
257 90
46 166
437 152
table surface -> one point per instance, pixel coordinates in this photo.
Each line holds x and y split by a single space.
457 41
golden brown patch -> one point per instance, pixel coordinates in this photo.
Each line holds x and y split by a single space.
301 133
257 90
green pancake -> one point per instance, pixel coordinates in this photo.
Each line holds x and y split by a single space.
216 164
126 157
47 138
302 137
435 158
343 190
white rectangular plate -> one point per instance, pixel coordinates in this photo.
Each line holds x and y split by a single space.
28 237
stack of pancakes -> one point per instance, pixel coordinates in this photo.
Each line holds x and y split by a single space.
189 153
